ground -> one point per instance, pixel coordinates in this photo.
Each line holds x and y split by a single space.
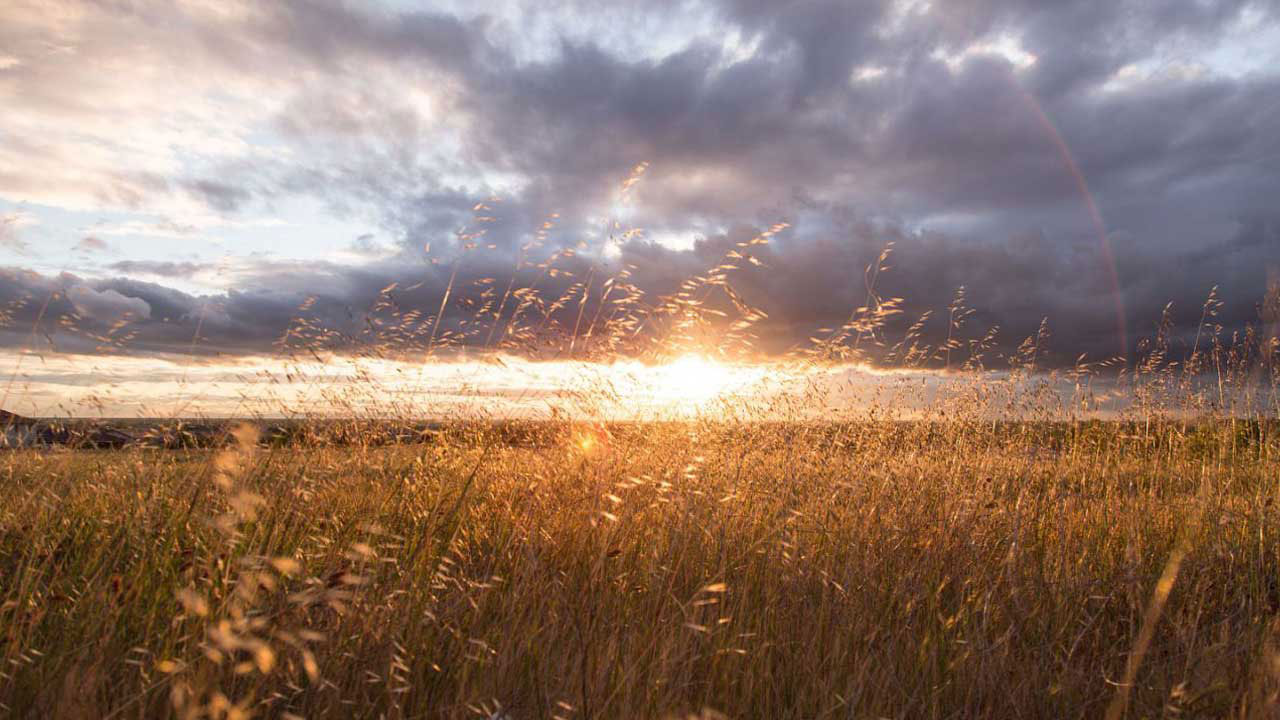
865 570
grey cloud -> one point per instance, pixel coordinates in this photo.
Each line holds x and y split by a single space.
969 169
809 277
221 196
367 244
106 306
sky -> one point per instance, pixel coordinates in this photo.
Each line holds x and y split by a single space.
205 179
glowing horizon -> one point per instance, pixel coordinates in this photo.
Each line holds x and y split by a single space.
51 384
689 385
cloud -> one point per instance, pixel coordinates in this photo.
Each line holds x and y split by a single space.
106 306
220 196
1049 177
92 244
807 278
161 268
367 245
9 224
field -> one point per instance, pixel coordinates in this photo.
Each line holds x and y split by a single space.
951 569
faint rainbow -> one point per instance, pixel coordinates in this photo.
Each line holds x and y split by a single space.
1082 185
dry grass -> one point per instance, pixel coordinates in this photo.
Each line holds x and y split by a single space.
897 570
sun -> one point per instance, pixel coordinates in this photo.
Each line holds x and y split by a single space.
693 378
691 383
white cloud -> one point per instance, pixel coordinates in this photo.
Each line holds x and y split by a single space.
9 224
867 73
677 241
115 136
1004 46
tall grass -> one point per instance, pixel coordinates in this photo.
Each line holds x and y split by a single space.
903 570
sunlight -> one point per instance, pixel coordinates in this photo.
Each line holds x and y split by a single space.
589 440
693 378
500 386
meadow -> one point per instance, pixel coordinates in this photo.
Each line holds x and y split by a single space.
701 569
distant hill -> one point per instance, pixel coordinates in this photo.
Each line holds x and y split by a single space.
8 418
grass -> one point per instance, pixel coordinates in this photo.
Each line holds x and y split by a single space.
772 570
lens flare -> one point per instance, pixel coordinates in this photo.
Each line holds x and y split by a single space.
589 440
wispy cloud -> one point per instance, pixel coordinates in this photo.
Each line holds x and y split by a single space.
10 237
92 244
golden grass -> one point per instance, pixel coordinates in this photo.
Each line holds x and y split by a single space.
895 570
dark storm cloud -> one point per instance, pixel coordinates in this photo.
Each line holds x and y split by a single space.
384 307
1081 44
860 124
